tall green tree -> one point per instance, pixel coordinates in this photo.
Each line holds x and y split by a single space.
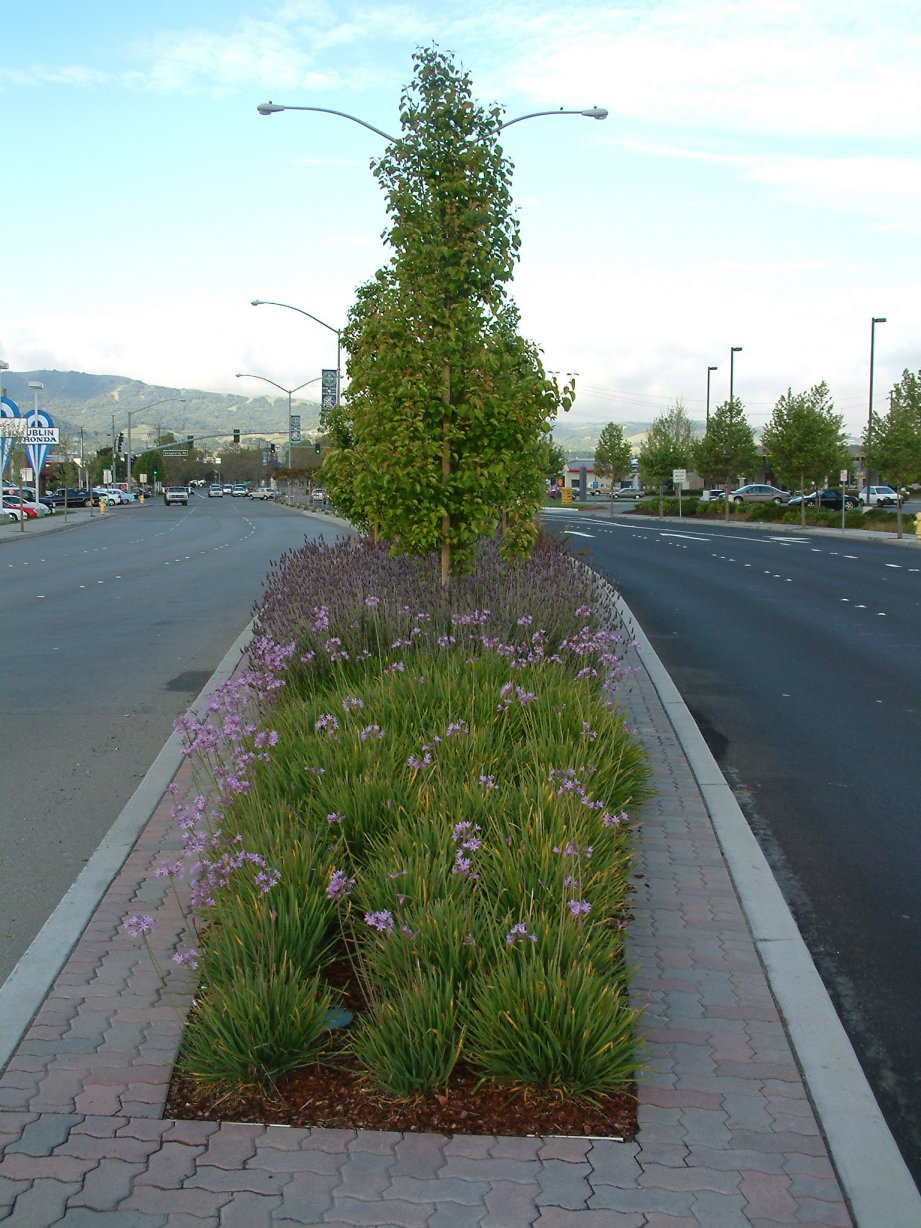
669 445
892 443
613 454
447 403
805 440
728 448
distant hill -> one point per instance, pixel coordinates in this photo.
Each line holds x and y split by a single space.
77 400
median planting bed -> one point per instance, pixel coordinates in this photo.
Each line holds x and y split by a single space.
408 869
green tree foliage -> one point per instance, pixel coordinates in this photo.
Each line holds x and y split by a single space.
805 440
669 445
892 445
447 403
728 448
613 453
556 458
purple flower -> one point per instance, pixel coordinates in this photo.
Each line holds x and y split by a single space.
614 820
371 731
138 925
334 818
578 907
351 702
519 933
487 782
381 921
189 957
326 722
339 885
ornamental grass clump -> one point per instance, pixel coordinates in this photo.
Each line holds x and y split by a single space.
437 787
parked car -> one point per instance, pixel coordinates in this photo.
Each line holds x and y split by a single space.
262 492
20 510
176 494
629 492
830 499
879 496
228 488
215 491
111 494
239 490
69 496
31 508
759 492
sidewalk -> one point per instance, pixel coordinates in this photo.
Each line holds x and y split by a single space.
728 1129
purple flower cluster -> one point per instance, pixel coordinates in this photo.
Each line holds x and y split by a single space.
339 885
519 933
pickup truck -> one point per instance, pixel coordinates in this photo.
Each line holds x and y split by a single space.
176 494
70 497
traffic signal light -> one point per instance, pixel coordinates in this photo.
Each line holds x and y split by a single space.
272 448
236 436
120 445
316 447
190 440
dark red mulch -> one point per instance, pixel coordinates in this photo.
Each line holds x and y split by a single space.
338 1097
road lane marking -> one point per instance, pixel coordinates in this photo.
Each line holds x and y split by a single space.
576 533
686 536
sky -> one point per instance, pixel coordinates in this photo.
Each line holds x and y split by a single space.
756 184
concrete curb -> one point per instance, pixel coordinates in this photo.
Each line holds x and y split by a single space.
870 1167
24 990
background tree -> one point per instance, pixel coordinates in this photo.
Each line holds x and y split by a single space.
555 458
447 404
728 448
613 454
892 445
805 440
669 445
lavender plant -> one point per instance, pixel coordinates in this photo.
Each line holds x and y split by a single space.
428 779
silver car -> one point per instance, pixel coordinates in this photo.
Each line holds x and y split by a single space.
759 492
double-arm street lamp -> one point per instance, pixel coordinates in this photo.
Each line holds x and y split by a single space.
269 108
281 388
259 302
140 410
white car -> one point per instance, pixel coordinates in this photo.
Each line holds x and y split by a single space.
215 491
879 496
262 492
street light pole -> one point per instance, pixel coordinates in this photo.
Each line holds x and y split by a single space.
35 385
709 371
139 410
259 302
873 323
281 388
733 350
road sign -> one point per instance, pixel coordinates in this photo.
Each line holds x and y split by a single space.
175 452
679 476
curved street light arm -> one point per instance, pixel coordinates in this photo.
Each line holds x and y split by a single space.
590 112
269 108
287 391
267 302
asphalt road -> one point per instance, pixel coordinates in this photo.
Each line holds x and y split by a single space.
110 629
800 657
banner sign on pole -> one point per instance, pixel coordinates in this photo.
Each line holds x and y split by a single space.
40 433
11 426
328 385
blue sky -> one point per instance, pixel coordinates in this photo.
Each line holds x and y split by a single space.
757 183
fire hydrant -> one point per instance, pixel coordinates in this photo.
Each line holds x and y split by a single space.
917 524
102 507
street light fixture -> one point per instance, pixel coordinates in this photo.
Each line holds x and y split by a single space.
709 370
873 323
733 350
270 108
260 302
281 388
